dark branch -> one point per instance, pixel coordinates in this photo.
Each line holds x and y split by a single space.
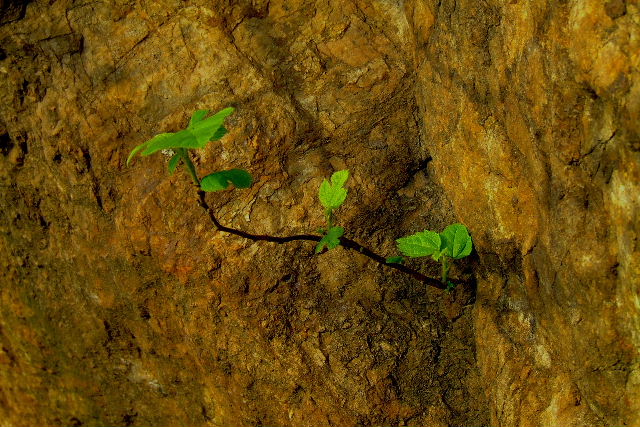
345 242
348 243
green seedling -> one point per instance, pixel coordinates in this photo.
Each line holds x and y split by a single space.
453 243
332 195
198 134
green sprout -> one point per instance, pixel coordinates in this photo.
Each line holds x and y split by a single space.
198 134
453 243
332 195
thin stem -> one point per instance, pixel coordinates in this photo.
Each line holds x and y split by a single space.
255 237
345 242
329 216
445 269
350 244
190 167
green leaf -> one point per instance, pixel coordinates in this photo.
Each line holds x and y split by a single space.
331 239
136 150
339 178
199 132
420 244
205 129
395 260
332 195
217 181
222 131
456 242
197 116
182 139
173 163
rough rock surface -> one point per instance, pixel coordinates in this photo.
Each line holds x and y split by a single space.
120 305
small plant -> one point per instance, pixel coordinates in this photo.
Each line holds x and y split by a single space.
332 196
453 243
198 134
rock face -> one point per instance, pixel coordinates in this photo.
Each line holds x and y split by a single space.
121 305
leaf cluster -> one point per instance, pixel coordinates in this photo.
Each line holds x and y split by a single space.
454 242
332 195
200 131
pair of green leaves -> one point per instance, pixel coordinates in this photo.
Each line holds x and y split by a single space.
331 239
200 131
454 242
332 195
